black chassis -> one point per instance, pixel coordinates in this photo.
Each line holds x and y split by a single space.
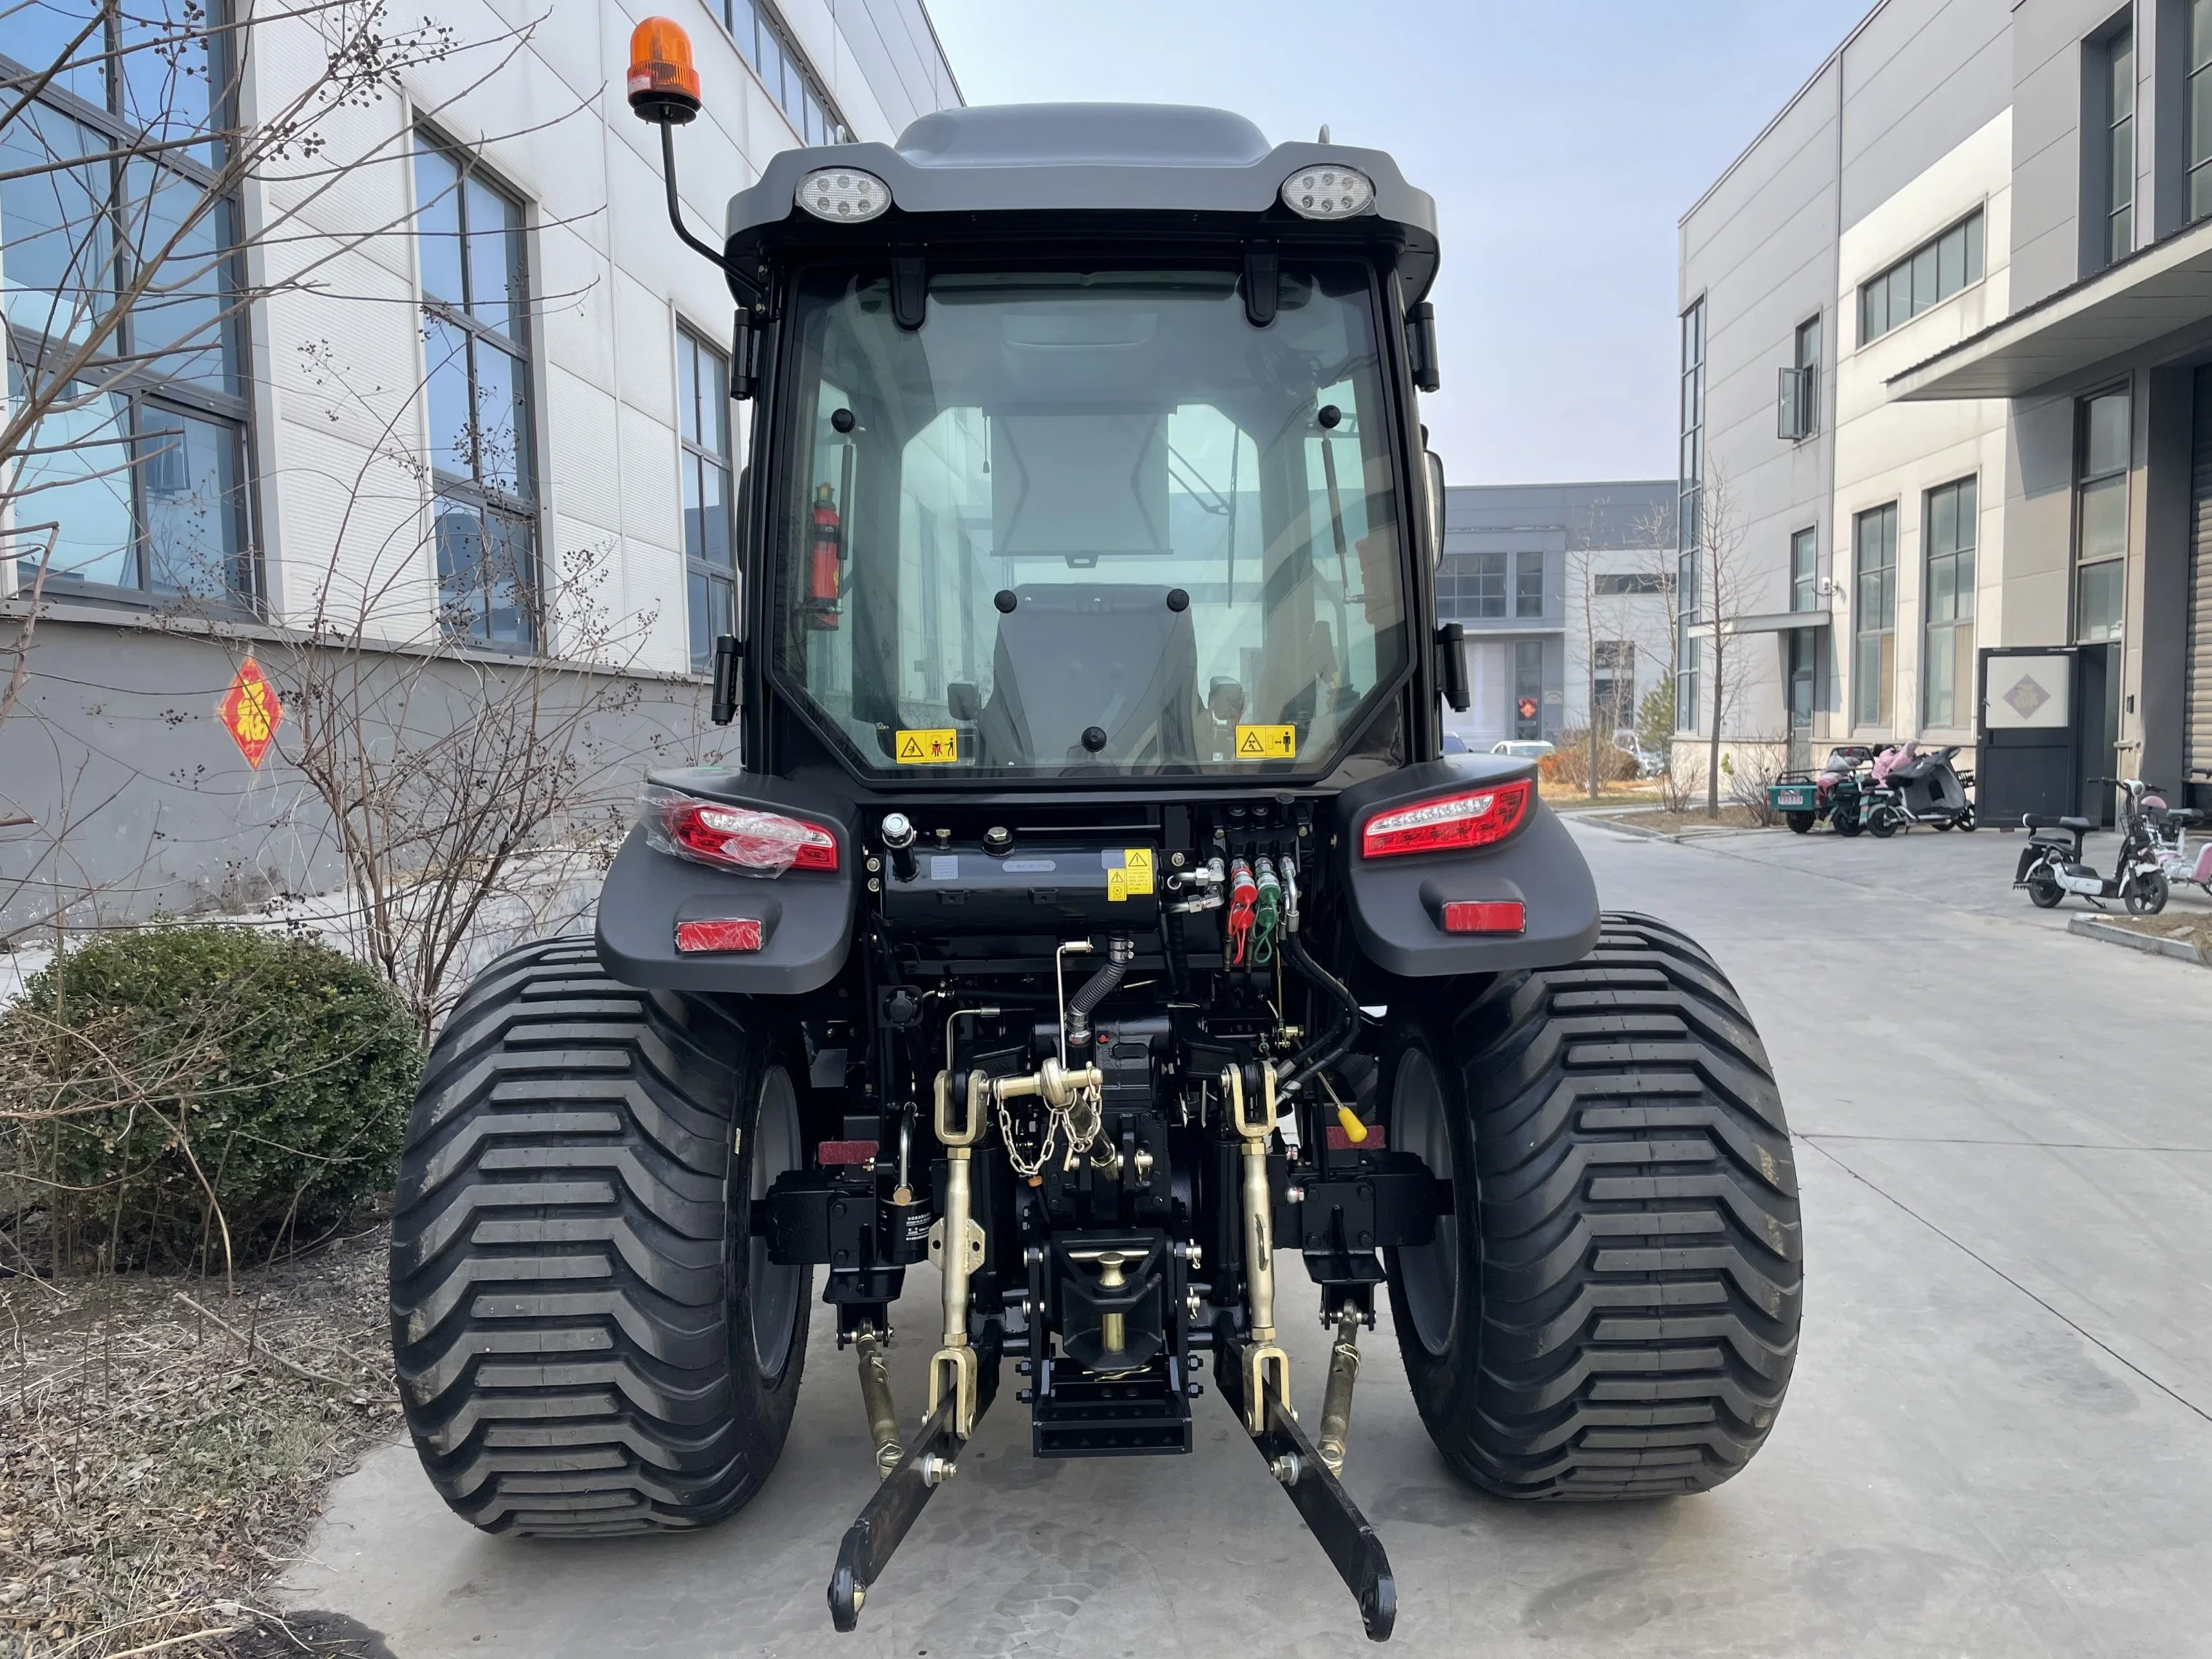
866 999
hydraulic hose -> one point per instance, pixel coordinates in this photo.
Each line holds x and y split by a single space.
1322 1051
1121 950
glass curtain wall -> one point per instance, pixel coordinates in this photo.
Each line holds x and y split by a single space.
1874 653
135 484
475 357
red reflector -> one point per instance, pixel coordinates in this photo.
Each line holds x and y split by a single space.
1341 1142
1486 917
1472 818
730 933
846 1151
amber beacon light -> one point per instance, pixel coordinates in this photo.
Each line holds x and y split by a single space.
664 85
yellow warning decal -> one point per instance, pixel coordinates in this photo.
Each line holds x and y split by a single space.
1128 873
939 747
1266 742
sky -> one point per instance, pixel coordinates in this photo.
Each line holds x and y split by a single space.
1563 140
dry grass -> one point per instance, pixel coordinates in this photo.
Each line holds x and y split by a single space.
163 1450
2192 927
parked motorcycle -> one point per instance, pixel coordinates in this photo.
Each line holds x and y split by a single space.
2053 864
1805 798
1906 787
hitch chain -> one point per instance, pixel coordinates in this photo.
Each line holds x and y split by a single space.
1064 1090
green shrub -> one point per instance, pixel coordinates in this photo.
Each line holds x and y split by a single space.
184 1092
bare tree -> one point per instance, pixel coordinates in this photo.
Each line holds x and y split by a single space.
1729 587
1612 619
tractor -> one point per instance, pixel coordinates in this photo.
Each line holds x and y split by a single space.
1095 926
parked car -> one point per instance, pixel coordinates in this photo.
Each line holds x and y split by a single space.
1454 744
1523 748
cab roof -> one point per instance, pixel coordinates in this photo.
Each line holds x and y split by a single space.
1090 158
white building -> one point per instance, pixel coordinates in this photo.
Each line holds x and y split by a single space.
1561 590
479 403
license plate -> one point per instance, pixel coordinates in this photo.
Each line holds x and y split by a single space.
1791 797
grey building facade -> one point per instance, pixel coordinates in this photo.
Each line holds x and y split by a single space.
1521 565
1943 327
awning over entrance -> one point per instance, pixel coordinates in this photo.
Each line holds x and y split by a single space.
1771 622
2162 293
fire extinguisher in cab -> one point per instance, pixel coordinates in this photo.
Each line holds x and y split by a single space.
825 580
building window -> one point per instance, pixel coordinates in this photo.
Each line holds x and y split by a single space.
2101 530
1799 414
784 71
2198 103
476 358
1614 584
141 456
1929 274
1874 658
1528 688
1471 586
1612 685
1528 586
703 421
1804 587
2112 183
1946 659
1690 485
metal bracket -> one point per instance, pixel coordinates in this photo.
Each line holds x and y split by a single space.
975 1243
1345 1536
890 1514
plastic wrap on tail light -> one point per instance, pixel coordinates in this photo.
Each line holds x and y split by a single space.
743 838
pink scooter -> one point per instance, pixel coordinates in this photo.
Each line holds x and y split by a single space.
2169 828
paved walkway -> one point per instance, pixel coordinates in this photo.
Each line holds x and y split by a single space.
1998 1441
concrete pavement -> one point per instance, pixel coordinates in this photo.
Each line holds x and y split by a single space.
1998 1440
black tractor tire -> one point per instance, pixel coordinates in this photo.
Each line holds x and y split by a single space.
1611 1310
588 1339
1801 823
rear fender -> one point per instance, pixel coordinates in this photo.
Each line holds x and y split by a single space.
1396 905
805 915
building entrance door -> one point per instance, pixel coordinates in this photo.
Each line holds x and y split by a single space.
2028 757
2096 729
1803 644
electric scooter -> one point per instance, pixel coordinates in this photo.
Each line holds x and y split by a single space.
2053 864
1910 787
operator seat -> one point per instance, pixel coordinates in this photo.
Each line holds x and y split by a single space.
1072 656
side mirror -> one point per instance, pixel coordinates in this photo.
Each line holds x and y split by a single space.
743 381
1451 665
1435 504
1421 346
1225 701
964 702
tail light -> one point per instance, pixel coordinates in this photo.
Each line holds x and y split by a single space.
1476 817
746 838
